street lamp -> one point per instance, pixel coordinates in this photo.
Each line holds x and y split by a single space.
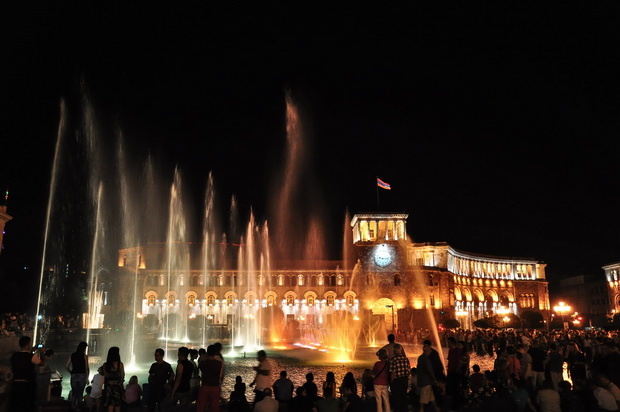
502 311
393 324
562 309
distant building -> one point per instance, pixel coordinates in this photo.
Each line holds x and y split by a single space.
612 279
388 281
586 294
4 217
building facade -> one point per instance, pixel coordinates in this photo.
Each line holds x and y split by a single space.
389 282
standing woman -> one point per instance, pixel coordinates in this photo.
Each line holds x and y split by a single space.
380 374
77 366
114 373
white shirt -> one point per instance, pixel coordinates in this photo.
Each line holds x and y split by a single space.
264 381
97 387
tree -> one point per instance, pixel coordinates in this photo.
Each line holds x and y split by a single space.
532 319
451 323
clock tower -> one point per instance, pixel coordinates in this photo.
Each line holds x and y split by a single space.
379 239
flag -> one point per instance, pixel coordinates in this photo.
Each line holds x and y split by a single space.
383 185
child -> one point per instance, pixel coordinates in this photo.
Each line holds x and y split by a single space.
96 391
239 390
133 393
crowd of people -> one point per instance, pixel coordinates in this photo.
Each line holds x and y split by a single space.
556 371
14 323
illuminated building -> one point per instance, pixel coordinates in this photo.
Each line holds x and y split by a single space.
391 280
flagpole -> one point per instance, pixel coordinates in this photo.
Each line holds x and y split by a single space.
377 186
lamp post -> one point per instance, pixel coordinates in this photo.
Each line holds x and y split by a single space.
393 324
562 309
463 314
503 312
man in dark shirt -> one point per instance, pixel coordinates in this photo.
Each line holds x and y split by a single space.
24 387
212 370
539 356
160 375
283 389
312 391
181 390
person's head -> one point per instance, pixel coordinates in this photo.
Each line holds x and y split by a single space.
238 379
133 380
427 343
602 379
101 371
183 352
451 341
202 352
328 391
382 354
114 355
309 377
300 391
193 354
261 355
267 392
283 374
218 347
330 377
413 371
81 347
88 389
25 343
476 368
211 350
49 353
159 355
391 338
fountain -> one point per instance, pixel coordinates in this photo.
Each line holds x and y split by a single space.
117 206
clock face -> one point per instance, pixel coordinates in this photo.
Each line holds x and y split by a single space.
383 257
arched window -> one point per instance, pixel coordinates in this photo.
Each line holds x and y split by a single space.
261 280
280 280
330 300
290 299
193 281
293 280
211 300
230 300
350 300
313 281
274 280
396 279
300 280
150 300
161 280
181 280
310 300
271 300
191 300
340 280
432 299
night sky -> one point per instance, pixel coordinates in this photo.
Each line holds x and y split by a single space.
496 124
